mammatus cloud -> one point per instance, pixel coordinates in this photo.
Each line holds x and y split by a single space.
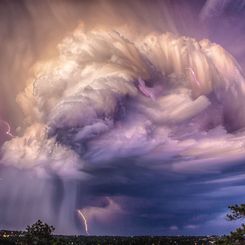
118 119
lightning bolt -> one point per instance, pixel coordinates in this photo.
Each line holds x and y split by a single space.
194 76
149 92
84 221
8 131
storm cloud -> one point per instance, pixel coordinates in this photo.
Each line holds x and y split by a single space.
136 126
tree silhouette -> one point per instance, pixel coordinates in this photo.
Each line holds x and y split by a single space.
237 212
237 236
39 234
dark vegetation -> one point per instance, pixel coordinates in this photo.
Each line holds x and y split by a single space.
42 234
237 212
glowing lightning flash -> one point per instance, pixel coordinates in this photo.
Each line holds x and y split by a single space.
149 92
8 131
84 220
194 76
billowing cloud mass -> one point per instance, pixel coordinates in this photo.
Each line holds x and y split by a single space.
139 129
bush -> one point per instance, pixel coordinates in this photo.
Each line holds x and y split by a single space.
39 234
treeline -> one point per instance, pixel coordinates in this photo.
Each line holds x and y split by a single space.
42 234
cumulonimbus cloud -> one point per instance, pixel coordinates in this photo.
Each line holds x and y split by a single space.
173 103
108 94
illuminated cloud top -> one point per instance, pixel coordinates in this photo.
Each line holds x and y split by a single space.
158 97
